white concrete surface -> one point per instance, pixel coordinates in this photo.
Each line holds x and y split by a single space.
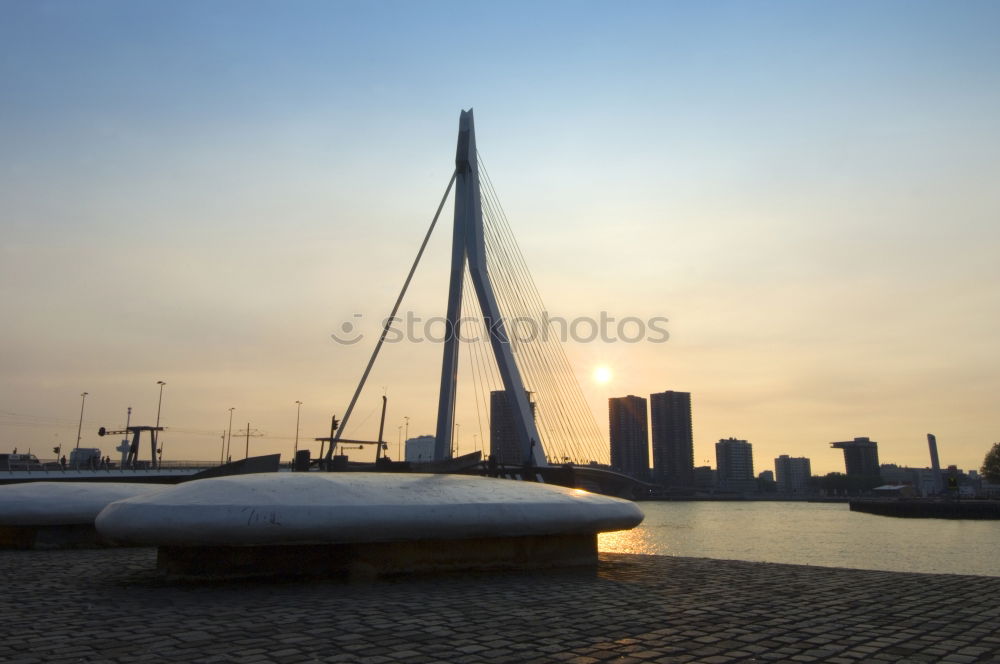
316 508
63 503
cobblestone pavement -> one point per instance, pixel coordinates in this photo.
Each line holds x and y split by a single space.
109 606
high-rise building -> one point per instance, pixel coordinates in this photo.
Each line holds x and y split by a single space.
504 446
935 464
629 436
860 457
673 438
734 461
793 474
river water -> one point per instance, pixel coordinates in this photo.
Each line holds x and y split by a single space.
826 534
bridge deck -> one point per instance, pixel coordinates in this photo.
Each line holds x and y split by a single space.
106 605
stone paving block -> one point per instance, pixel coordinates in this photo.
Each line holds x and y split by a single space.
633 609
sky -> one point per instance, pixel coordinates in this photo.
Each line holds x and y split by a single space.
202 193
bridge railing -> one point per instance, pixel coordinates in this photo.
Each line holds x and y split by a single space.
55 466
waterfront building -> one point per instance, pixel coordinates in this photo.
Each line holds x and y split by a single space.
734 461
704 478
766 483
673 438
504 447
935 464
860 457
629 436
419 449
961 482
793 474
921 479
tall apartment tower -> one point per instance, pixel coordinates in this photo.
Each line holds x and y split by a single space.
503 440
860 457
935 464
673 438
629 436
734 461
792 474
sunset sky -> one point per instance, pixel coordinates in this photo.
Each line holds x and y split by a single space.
201 193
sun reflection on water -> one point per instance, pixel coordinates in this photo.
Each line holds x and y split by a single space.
636 540
802 533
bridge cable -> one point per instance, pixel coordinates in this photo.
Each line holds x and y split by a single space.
534 361
518 307
554 362
473 351
569 386
389 321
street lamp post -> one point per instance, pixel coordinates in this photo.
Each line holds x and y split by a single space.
79 429
229 436
159 403
406 428
298 412
128 423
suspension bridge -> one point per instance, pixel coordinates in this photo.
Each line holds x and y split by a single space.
497 326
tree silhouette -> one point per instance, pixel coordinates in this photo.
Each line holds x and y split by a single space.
991 465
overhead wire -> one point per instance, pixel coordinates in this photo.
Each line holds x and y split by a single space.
536 360
525 350
521 296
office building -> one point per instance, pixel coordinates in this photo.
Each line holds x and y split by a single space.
734 464
704 478
860 457
935 465
673 438
420 449
921 479
504 446
629 436
792 474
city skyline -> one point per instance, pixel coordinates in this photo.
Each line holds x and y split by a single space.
200 195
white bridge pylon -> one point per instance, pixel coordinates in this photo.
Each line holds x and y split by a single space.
469 249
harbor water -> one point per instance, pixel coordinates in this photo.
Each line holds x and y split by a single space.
826 534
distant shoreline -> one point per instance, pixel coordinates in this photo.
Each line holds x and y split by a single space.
744 499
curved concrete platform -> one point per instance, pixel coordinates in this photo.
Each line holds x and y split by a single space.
315 508
59 514
372 522
61 503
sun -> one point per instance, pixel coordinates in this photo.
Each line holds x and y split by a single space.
602 375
